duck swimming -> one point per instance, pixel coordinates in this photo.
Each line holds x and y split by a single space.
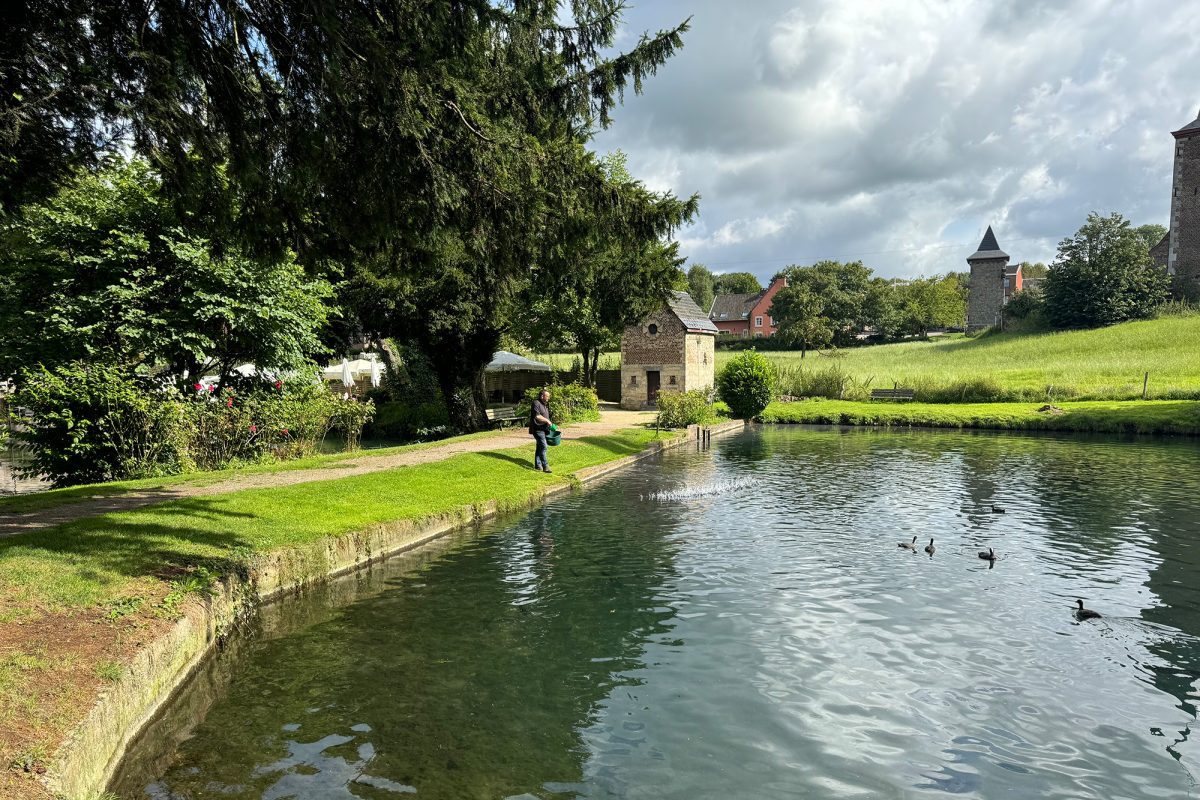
997 509
1085 613
988 555
929 547
909 545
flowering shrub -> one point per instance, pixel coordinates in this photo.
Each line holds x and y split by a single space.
93 423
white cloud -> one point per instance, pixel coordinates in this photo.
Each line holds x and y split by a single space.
900 130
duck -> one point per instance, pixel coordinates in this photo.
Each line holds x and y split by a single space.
909 545
997 509
1085 613
929 547
988 555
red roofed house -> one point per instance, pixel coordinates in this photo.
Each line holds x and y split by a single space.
746 315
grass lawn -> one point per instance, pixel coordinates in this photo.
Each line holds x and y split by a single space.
1179 417
1100 364
77 599
37 501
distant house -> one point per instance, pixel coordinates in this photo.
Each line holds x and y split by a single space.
746 315
1013 281
670 350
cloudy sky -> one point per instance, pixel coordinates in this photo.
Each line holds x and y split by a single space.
895 131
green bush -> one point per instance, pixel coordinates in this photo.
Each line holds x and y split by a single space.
92 423
568 403
680 409
747 384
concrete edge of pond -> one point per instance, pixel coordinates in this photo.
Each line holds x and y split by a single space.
86 761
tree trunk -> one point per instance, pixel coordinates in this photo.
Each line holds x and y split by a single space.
459 364
585 371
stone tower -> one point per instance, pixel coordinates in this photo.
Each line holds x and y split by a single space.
986 296
1183 258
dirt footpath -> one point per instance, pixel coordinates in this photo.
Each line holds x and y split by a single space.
612 419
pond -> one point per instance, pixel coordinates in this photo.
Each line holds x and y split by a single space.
753 633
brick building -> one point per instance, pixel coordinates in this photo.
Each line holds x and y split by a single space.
746 315
1183 247
991 282
670 350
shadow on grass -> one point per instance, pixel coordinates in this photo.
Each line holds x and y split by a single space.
616 446
527 463
136 545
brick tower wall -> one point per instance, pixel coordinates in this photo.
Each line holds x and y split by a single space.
986 297
1184 258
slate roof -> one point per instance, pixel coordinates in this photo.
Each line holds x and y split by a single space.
683 306
733 307
988 248
1194 125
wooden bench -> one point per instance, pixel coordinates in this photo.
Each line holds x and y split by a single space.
892 394
503 416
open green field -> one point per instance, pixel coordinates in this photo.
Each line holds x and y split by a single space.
1101 364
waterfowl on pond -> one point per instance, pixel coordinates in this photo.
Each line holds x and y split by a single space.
929 547
988 555
1085 613
909 545
997 509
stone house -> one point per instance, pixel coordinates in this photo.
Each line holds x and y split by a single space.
988 291
672 350
746 315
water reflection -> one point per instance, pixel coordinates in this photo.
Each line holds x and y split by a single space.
770 641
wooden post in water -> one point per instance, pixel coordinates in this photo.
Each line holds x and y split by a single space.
1145 385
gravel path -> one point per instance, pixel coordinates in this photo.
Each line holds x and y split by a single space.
612 419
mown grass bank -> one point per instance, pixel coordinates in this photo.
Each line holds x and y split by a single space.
1173 417
78 601
53 498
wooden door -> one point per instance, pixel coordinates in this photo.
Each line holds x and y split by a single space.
652 383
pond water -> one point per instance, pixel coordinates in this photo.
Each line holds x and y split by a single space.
758 634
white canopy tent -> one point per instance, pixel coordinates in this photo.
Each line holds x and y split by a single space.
504 361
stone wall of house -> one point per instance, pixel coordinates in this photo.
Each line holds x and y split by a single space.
700 361
1184 258
643 351
986 297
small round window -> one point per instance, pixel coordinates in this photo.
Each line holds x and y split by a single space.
652 329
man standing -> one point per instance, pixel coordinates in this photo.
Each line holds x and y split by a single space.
539 426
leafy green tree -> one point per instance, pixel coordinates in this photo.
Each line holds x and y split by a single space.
736 283
926 303
799 312
424 148
1151 234
747 384
615 267
104 272
1032 272
1103 275
701 286
844 290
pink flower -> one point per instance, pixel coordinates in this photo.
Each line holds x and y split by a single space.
278 384
229 403
212 388
285 431
198 386
253 428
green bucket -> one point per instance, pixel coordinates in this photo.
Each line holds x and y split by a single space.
554 437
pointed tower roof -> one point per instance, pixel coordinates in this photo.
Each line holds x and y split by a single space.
988 248
1191 129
